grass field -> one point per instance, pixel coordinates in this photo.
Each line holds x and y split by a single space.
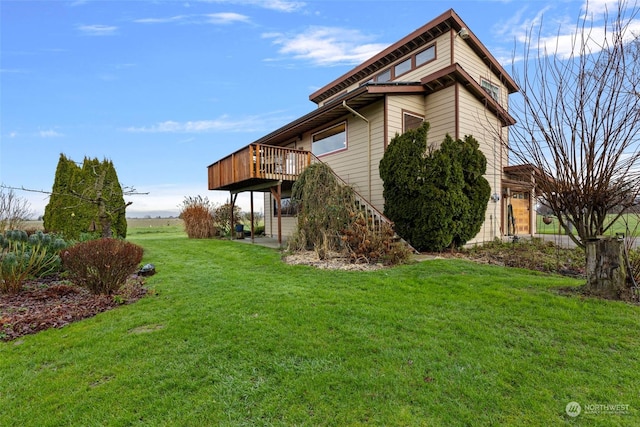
231 336
627 225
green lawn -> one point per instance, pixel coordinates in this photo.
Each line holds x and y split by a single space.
233 337
628 225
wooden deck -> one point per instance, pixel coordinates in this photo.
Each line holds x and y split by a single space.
257 167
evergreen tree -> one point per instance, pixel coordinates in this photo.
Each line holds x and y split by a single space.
403 169
477 189
87 199
59 214
436 197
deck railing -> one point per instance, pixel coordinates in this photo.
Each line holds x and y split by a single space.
269 163
258 161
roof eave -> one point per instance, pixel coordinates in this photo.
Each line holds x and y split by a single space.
453 22
456 74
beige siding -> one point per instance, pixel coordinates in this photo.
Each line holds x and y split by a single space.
271 221
441 115
351 165
396 106
486 129
478 70
359 160
442 60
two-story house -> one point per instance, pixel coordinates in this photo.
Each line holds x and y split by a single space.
440 73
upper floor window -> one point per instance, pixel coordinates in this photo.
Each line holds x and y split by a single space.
490 88
384 76
402 67
426 55
411 121
330 140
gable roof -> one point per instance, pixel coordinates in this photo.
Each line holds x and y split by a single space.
422 36
456 74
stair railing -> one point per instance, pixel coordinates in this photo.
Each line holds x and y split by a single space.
373 217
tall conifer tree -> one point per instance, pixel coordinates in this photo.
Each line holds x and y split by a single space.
87 199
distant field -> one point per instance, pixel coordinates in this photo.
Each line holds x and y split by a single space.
628 225
153 222
136 225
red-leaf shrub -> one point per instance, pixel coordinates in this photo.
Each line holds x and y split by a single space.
101 265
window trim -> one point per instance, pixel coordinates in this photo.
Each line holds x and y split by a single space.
410 113
413 58
410 60
290 210
326 129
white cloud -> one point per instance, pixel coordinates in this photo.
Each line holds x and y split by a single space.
326 46
557 32
519 26
98 30
221 18
49 134
565 45
223 123
176 18
226 18
277 5
597 8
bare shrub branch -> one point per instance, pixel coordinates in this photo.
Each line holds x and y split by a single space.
14 210
578 122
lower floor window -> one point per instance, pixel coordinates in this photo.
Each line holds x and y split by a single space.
329 140
288 207
411 121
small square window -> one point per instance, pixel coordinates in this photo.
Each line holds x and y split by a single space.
490 88
411 121
384 76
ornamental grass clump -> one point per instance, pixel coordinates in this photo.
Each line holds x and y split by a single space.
103 265
198 216
24 257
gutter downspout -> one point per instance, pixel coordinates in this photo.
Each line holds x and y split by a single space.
355 113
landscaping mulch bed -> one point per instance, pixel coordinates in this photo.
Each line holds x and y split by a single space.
54 303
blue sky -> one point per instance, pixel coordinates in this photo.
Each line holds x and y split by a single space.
164 88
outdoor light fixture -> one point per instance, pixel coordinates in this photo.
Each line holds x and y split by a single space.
463 33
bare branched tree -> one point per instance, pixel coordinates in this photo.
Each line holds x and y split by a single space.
578 122
14 210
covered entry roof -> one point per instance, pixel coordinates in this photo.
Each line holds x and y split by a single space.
359 98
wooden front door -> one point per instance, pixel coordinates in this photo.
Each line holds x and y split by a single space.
521 211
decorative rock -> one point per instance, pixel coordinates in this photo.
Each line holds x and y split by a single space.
147 270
